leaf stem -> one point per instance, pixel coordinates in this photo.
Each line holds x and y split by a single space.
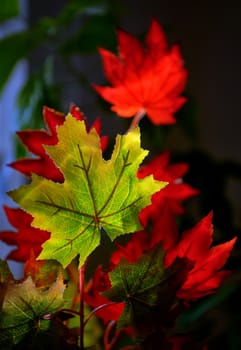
108 344
91 314
138 116
81 307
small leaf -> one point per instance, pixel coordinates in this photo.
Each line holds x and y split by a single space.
25 306
96 194
148 290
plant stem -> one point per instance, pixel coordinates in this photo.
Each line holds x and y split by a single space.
139 115
97 309
70 311
72 270
81 307
107 342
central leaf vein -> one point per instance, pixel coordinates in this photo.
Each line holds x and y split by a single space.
125 164
86 168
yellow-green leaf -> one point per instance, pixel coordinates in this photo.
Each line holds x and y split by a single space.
96 194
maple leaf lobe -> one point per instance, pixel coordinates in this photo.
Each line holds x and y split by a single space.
74 211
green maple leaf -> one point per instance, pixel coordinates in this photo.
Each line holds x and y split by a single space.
24 307
96 193
5 277
148 290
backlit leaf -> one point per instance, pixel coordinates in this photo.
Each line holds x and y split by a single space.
145 79
147 288
25 308
96 194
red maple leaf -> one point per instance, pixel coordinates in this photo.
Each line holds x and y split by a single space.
170 196
26 237
132 251
205 276
34 140
146 79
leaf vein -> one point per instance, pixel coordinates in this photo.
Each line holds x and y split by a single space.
58 207
86 172
120 210
70 241
125 164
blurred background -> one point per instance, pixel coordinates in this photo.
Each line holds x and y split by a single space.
48 56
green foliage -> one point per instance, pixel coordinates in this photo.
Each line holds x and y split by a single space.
94 33
96 194
79 28
76 8
19 45
9 9
40 89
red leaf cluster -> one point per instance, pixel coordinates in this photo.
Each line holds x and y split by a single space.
194 244
173 194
